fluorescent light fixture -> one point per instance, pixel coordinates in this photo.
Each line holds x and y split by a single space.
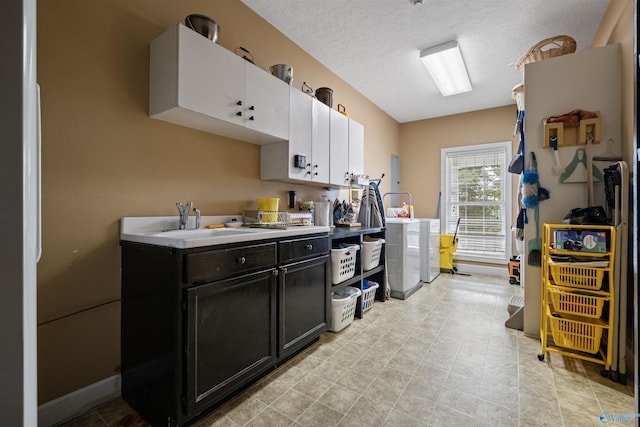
444 63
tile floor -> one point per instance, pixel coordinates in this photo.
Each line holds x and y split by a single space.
441 358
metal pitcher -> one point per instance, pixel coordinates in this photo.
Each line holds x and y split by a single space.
283 71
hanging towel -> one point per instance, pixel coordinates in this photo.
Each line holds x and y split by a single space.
530 183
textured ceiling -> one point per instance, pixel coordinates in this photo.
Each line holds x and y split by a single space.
374 45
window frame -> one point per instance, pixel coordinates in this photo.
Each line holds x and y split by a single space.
504 147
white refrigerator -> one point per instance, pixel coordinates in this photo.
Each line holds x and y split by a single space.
19 213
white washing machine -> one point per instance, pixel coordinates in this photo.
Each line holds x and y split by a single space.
429 248
402 249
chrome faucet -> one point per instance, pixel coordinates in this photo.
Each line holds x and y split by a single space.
184 214
197 213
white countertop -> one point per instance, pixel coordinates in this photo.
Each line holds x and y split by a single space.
163 231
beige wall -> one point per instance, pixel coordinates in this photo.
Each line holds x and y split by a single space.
423 140
617 27
104 158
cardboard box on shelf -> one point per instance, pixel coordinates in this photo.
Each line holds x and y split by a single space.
581 240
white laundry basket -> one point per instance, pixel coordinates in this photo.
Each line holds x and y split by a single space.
343 308
369 296
371 251
343 263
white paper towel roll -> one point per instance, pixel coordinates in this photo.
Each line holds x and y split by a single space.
322 216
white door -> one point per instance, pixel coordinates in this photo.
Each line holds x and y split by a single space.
395 180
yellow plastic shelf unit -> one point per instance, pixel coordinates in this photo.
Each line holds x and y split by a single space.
577 296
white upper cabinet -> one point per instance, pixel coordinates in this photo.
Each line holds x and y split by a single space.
305 157
197 83
356 148
339 149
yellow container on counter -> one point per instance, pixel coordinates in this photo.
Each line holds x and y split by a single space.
270 206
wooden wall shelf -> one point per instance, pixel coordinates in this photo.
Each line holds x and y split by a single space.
571 136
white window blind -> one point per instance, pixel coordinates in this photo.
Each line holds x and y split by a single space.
477 191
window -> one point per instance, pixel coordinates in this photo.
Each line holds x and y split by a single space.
476 190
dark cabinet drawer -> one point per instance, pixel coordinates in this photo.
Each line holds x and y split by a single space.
291 250
208 266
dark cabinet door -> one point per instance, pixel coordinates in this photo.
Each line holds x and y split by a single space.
303 303
230 334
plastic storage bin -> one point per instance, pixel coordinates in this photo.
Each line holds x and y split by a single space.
576 335
343 308
343 263
575 276
369 296
371 251
578 304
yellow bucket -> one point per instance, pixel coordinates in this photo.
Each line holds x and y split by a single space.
446 240
447 248
269 205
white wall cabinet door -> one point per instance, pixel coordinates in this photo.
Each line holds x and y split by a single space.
300 135
356 148
266 102
211 79
339 149
320 142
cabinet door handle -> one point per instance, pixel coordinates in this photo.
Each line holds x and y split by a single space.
252 108
284 270
309 246
274 273
241 260
239 103
251 118
239 113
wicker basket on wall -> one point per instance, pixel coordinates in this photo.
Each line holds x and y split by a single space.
555 46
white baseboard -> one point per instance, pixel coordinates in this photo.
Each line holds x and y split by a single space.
78 402
488 270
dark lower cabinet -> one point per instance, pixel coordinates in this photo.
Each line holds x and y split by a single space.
303 303
200 324
231 330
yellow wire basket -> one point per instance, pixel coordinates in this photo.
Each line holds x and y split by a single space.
574 276
576 335
555 46
579 304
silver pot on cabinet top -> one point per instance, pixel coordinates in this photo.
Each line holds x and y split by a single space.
283 71
203 25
